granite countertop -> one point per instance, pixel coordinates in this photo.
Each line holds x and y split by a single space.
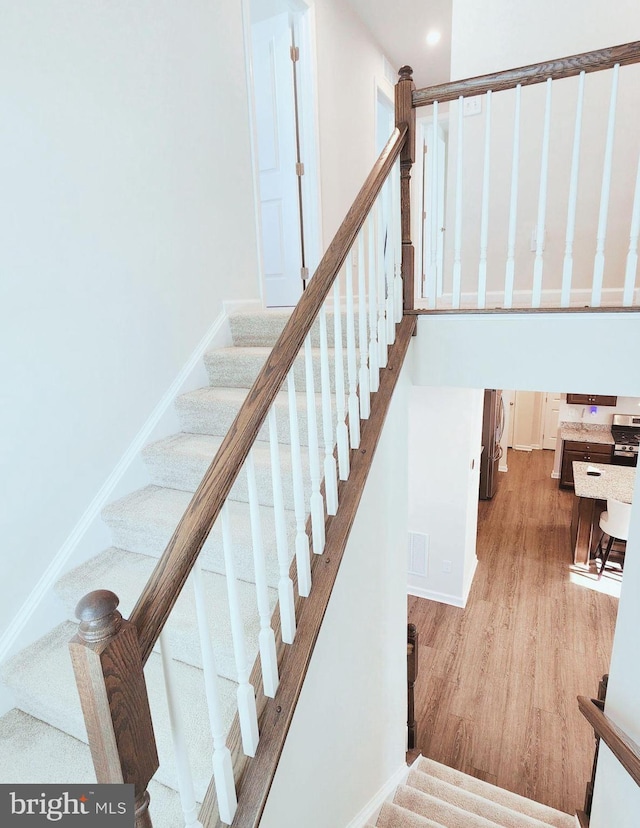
614 481
587 433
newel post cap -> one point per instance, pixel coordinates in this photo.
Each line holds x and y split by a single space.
405 73
99 618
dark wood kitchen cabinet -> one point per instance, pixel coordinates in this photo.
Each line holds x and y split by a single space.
586 452
591 399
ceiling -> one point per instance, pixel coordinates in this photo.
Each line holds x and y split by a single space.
401 29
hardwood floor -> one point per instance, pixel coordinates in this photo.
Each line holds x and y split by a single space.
497 682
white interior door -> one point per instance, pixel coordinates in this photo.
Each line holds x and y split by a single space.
550 420
277 155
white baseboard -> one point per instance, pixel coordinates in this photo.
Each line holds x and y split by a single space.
555 475
90 535
370 811
469 583
242 306
440 597
523 448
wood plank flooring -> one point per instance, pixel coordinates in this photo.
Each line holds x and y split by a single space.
497 682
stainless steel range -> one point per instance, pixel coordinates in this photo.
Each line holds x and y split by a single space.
625 430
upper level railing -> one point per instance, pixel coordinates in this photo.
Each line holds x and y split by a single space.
355 301
537 201
626 751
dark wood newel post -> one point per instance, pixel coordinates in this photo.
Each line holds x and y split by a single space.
412 674
406 114
113 694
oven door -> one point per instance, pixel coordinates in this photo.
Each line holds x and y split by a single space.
625 458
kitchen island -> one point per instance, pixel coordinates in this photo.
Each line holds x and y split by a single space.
592 492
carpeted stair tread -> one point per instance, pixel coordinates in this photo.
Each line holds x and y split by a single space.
528 807
126 573
470 803
145 520
395 816
446 813
238 367
33 752
213 410
262 329
44 686
180 462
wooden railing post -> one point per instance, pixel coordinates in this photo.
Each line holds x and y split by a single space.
588 797
113 694
406 114
412 674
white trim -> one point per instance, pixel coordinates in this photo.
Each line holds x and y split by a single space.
555 475
470 578
440 597
239 306
218 334
371 809
522 299
519 447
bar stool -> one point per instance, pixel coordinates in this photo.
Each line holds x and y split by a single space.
614 523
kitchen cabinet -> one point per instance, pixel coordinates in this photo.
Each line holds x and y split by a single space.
585 452
591 399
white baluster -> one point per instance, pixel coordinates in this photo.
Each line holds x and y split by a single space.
567 266
397 224
185 779
246 695
222 766
536 296
342 435
434 275
363 376
457 232
484 220
285 584
352 364
598 266
266 638
374 368
303 564
316 501
632 255
330 471
389 264
513 206
382 288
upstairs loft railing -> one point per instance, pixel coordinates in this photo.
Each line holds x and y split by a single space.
537 201
355 301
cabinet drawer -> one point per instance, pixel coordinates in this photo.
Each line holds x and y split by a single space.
588 448
591 399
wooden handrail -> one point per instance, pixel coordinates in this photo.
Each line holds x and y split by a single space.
566 67
626 751
168 578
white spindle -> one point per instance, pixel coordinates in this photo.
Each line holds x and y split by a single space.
222 766
374 368
342 435
266 638
303 564
536 296
397 224
389 264
330 472
567 266
434 275
246 695
484 220
185 779
632 255
513 206
352 364
382 287
598 266
316 501
285 584
363 375
457 232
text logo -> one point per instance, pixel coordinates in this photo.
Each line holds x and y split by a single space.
94 806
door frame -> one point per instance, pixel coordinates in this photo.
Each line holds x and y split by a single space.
302 14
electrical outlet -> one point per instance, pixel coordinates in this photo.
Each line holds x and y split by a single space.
472 106
446 566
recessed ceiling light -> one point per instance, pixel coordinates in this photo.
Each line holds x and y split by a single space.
433 37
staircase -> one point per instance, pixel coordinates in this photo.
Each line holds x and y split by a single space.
44 738
436 796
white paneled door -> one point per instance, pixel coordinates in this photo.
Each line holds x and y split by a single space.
275 110
550 420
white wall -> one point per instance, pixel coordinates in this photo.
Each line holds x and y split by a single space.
489 37
126 218
445 436
348 734
559 351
